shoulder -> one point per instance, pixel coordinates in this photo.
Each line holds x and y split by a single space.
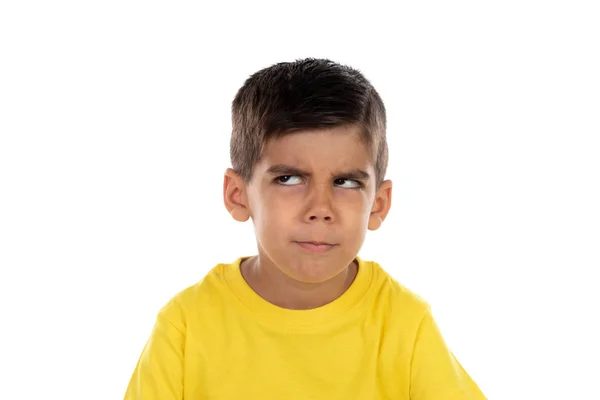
209 290
392 297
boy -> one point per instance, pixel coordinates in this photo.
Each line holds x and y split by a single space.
305 318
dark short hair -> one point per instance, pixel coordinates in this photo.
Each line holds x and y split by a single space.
305 94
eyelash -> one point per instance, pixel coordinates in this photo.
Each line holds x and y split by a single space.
359 184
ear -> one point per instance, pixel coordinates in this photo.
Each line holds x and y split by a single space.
381 205
234 196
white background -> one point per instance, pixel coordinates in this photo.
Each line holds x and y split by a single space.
114 130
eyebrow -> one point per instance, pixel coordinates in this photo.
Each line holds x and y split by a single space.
282 169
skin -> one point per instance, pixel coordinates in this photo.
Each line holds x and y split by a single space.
306 188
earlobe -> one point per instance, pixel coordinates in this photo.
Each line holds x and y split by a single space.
381 205
234 196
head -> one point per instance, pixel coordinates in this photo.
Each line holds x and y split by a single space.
309 156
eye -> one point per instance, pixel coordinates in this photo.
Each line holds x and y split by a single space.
288 180
347 183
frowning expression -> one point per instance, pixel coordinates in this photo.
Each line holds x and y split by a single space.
312 197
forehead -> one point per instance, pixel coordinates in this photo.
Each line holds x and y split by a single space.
328 149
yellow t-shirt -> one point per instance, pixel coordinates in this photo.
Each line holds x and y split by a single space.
218 339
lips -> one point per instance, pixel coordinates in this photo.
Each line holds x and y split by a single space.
316 247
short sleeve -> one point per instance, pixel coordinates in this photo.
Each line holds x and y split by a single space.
159 371
436 374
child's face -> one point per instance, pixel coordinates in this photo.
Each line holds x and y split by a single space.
313 186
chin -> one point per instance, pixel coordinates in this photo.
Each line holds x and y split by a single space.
313 271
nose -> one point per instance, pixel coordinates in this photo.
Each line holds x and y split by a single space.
320 204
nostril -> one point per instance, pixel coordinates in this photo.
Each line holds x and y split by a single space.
314 217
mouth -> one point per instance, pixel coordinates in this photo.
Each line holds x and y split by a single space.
316 247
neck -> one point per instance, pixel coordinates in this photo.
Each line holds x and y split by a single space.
270 283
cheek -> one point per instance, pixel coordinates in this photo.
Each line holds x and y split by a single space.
355 205
272 213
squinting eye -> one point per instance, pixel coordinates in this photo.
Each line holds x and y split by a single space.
288 180
347 183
